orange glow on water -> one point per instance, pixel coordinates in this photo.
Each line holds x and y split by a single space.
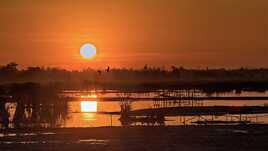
87 116
89 96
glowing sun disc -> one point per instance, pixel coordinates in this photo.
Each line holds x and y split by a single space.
88 51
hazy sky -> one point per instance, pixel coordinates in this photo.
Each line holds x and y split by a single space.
131 33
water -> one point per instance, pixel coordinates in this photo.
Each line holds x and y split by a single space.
111 93
85 108
77 118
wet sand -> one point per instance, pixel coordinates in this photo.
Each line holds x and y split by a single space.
188 138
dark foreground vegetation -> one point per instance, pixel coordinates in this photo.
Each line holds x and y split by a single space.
31 105
183 138
147 78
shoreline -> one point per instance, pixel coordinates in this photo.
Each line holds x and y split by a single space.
235 137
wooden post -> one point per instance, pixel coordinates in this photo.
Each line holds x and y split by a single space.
111 120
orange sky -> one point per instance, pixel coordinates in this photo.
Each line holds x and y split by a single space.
131 33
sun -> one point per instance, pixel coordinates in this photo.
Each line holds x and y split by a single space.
88 51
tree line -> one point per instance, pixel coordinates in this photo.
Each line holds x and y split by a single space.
148 77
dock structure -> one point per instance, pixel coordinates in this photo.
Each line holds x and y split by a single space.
204 114
177 99
202 111
200 98
188 105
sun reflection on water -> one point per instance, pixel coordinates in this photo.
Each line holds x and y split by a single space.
89 103
89 109
89 106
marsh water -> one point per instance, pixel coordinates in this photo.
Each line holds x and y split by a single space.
86 108
77 118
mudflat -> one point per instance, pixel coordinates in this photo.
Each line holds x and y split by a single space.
188 138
